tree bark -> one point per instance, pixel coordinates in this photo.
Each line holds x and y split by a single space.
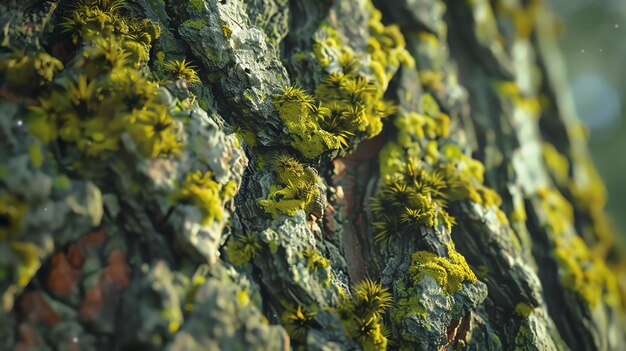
275 174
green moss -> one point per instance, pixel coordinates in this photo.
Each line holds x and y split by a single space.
523 338
348 105
450 273
249 137
156 133
392 160
351 105
276 205
291 171
93 20
423 170
203 104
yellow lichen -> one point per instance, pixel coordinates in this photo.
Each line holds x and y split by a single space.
106 92
361 314
523 309
25 74
450 273
585 273
29 262
408 200
200 190
242 248
296 109
314 260
348 102
297 321
227 31
182 70
580 268
298 190
511 91
557 164
559 214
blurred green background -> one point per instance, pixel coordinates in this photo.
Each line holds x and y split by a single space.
593 43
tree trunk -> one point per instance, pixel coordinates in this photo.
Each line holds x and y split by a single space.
309 174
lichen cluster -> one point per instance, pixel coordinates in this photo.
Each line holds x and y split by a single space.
413 300
348 104
298 320
361 314
242 248
201 191
422 170
297 190
408 201
296 109
26 73
79 115
314 260
450 273
583 264
106 94
580 269
344 106
104 91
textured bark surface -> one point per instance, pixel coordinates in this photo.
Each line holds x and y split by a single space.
308 174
